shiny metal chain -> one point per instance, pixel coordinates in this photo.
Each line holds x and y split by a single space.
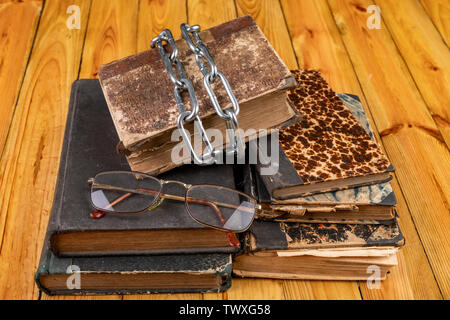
182 84
210 75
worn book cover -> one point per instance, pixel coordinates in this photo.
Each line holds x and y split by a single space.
140 95
88 149
274 236
367 204
318 251
328 149
136 274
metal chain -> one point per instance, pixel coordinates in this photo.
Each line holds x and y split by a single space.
209 76
183 84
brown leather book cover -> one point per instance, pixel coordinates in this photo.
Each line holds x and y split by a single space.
140 95
328 149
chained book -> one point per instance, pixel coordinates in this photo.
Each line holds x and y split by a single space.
89 149
328 149
140 94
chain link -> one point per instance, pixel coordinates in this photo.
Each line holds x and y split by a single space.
182 83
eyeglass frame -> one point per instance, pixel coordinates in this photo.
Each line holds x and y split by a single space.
158 198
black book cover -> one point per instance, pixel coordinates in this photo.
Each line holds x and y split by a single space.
89 148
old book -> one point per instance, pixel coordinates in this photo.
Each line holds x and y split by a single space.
140 96
136 274
328 149
372 204
88 149
318 251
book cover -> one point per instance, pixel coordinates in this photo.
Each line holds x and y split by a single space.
380 196
88 149
134 275
328 149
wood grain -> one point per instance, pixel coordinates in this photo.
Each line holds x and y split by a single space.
439 12
321 290
111 35
269 16
317 32
205 13
406 281
16 18
425 54
30 161
157 15
93 297
410 136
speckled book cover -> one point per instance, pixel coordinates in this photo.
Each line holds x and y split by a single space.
329 149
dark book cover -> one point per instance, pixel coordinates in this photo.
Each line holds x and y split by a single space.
140 94
89 148
377 195
134 274
264 235
328 150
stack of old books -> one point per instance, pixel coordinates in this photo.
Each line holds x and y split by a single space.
327 211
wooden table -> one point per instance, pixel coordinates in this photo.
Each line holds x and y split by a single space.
401 71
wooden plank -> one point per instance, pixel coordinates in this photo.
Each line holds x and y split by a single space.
426 55
439 12
111 37
321 290
205 13
406 281
93 297
410 136
318 45
16 18
30 161
269 16
154 16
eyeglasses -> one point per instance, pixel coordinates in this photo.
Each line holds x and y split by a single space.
126 192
